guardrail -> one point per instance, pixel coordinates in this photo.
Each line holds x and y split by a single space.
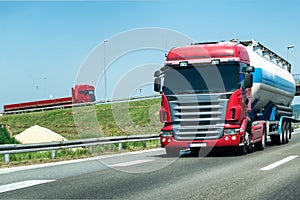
8 149
81 104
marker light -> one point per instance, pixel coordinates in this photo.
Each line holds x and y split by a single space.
215 62
183 64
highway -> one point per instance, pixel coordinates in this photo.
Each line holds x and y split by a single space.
270 174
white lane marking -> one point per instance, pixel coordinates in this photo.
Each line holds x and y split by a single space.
280 162
22 184
125 164
21 168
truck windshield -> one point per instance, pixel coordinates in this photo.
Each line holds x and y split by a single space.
91 92
202 79
85 92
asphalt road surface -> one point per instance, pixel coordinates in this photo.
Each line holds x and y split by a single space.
270 174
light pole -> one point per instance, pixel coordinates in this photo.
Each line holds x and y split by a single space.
287 57
105 79
287 51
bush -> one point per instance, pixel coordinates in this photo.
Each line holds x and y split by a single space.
5 137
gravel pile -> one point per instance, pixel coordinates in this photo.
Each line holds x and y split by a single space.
38 134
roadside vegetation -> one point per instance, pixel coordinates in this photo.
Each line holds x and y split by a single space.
136 117
106 120
6 137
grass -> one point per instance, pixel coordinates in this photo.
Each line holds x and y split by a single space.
136 117
133 118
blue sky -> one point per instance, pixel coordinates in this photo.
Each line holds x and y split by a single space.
43 44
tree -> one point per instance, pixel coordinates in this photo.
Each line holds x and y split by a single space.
5 137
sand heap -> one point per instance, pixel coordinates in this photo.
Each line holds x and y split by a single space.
37 134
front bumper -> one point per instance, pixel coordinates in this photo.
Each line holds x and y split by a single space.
225 141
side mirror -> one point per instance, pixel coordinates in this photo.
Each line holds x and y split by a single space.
250 69
157 84
248 81
157 73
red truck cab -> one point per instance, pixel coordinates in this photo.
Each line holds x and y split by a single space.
83 93
205 96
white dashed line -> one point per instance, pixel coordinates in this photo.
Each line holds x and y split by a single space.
125 164
22 184
280 162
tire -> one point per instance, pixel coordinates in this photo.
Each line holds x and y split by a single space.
284 136
195 151
243 150
274 139
283 132
262 145
287 132
279 139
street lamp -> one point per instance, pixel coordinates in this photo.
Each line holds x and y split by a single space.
287 51
287 57
105 79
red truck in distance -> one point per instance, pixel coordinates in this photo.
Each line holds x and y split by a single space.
80 94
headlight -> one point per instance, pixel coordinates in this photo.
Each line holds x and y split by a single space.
231 131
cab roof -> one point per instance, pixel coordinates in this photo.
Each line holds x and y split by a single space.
213 50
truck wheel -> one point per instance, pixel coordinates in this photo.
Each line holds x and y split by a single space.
243 150
262 145
277 139
195 151
287 132
280 139
172 152
284 131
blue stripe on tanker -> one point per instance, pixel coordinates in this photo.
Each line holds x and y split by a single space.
263 76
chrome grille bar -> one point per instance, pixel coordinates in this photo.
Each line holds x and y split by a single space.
198 116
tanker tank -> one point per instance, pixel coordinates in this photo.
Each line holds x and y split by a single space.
272 81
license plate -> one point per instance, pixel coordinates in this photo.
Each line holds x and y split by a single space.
197 145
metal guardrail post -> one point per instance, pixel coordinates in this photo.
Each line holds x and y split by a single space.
6 158
53 154
91 149
120 146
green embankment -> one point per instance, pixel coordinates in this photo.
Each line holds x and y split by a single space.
136 117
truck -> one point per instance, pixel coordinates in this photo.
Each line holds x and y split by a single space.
235 95
80 94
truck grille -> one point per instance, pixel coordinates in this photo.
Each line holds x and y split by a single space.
198 117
